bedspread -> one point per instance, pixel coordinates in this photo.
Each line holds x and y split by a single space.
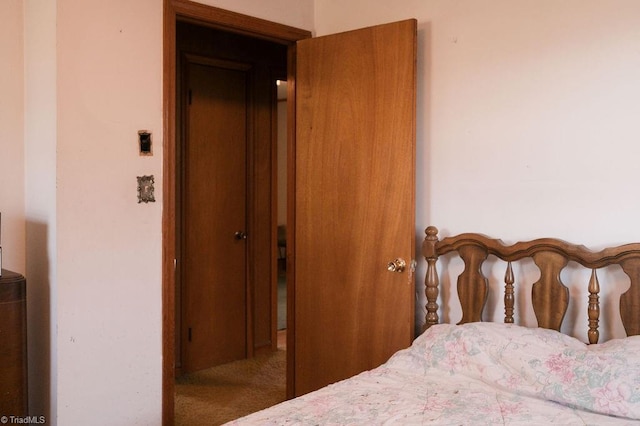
477 374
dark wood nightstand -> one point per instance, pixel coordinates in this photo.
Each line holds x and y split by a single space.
13 344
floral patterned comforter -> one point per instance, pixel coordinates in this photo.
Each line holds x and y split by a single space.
481 374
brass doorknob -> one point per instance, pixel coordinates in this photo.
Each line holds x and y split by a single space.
397 265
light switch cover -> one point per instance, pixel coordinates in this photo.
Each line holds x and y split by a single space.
145 189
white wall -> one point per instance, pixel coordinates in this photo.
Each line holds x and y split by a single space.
40 115
288 12
527 114
12 135
109 86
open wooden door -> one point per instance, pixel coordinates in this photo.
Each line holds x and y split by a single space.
354 203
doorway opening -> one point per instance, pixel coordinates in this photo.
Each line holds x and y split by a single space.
229 280
178 12
226 199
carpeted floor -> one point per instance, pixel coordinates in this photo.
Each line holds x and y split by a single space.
226 392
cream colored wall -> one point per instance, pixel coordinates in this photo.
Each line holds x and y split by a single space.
109 83
40 114
527 114
12 136
289 12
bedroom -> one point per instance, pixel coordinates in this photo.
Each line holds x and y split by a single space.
527 125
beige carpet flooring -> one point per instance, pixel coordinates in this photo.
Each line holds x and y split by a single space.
227 392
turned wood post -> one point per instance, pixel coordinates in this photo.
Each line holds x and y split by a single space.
594 308
431 279
509 294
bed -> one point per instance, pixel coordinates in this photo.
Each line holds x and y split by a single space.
477 372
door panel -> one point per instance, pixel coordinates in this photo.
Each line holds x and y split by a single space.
214 195
354 201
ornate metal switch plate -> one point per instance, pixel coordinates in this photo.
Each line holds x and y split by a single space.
145 189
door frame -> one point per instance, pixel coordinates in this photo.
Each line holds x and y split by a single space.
183 10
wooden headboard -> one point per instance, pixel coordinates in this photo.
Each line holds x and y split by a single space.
549 295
